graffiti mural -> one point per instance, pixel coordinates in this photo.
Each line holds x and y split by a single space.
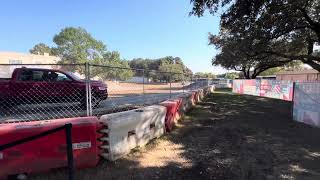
276 89
237 86
251 87
265 88
306 104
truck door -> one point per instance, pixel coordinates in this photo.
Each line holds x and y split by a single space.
64 88
31 87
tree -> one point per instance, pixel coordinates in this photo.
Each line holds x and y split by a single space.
205 75
287 28
271 71
232 75
112 67
171 72
40 49
244 55
76 45
167 64
291 66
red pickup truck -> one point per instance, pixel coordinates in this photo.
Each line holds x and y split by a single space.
33 85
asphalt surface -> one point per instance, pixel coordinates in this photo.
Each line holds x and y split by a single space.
65 110
47 111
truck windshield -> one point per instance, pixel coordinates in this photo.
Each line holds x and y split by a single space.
73 76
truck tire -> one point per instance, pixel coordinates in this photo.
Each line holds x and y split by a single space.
95 101
6 105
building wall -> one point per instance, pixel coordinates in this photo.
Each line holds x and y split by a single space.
136 79
23 58
299 77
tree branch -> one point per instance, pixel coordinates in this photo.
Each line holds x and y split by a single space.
291 57
313 23
314 65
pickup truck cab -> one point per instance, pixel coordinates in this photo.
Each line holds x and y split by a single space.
34 85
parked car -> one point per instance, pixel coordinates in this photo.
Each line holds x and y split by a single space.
33 85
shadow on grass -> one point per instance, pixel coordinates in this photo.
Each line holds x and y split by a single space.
227 136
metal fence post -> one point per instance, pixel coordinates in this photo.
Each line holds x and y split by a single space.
69 151
87 87
89 90
143 76
183 83
170 85
191 82
292 102
196 82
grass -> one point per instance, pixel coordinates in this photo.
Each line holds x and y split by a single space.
227 136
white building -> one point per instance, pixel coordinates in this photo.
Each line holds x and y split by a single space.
23 58
137 79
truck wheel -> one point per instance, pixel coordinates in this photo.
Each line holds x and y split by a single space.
95 101
7 105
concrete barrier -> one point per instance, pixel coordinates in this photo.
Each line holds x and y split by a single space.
196 97
187 103
201 94
212 88
129 129
208 90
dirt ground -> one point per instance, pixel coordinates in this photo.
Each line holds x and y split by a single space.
122 88
225 137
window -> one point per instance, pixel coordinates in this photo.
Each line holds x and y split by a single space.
43 75
57 77
15 61
62 77
32 75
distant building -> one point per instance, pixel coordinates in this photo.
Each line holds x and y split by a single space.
305 75
266 77
137 79
222 83
23 58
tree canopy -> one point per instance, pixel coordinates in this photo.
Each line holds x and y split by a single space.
205 75
277 30
243 55
77 46
291 66
40 49
232 75
74 45
162 68
112 67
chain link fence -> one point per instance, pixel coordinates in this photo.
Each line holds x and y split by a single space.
50 91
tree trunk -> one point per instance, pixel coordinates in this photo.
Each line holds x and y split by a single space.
244 71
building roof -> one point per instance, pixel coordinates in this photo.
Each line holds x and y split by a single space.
8 53
308 71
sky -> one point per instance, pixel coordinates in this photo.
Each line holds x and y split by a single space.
139 28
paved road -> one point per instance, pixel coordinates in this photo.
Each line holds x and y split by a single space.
63 110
